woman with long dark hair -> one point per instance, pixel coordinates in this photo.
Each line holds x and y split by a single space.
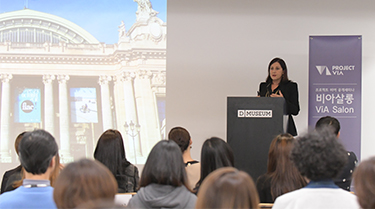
278 85
163 182
111 152
282 176
216 153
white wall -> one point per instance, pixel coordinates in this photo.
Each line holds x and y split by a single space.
220 48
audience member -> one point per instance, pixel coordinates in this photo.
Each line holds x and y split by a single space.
111 152
193 168
163 181
364 183
282 176
344 179
82 182
319 157
216 153
227 188
14 174
37 153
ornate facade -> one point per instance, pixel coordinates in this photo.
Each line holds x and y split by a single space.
117 86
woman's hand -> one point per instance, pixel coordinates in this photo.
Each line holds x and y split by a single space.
277 95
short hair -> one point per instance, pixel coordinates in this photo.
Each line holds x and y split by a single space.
328 121
18 140
283 66
84 181
364 183
284 175
228 188
164 165
216 153
319 155
111 152
181 136
36 150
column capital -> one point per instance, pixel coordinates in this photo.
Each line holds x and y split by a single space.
127 76
144 74
159 78
48 78
5 78
63 78
104 79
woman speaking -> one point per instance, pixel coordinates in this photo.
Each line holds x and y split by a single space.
278 85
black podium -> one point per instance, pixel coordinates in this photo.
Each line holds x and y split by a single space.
252 123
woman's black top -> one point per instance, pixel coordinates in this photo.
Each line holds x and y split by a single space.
289 90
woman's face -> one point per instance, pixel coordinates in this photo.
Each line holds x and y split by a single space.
276 72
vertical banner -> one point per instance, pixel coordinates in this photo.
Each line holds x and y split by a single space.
83 105
335 66
28 106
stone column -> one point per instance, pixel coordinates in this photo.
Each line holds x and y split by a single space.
106 102
147 111
49 119
5 118
64 119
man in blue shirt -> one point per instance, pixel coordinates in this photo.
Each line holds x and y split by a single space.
37 153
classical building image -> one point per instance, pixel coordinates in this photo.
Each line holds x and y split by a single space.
57 76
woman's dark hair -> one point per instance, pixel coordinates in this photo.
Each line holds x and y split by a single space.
318 155
164 165
181 136
84 181
330 122
228 188
216 153
283 66
284 175
364 183
111 152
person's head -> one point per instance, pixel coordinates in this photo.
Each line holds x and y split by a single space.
278 66
181 136
84 181
18 140
227 188
284 175
216 153
37 151
318 155
364 183
110 150
330 122
164 165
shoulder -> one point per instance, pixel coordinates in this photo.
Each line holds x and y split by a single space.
130 170
263 84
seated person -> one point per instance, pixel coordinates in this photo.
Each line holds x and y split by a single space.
37 153
163 180
319 157
227 188
193 168
110 151
344 179
282 176
84 182
14 174
364 183
216 153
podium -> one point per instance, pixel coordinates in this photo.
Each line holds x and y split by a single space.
252 123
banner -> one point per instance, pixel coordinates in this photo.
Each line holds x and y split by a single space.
335 66
83 105
28 108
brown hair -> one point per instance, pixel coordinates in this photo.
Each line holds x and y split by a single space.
284 175
364 183
18 140
181 136
227 188
83 181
